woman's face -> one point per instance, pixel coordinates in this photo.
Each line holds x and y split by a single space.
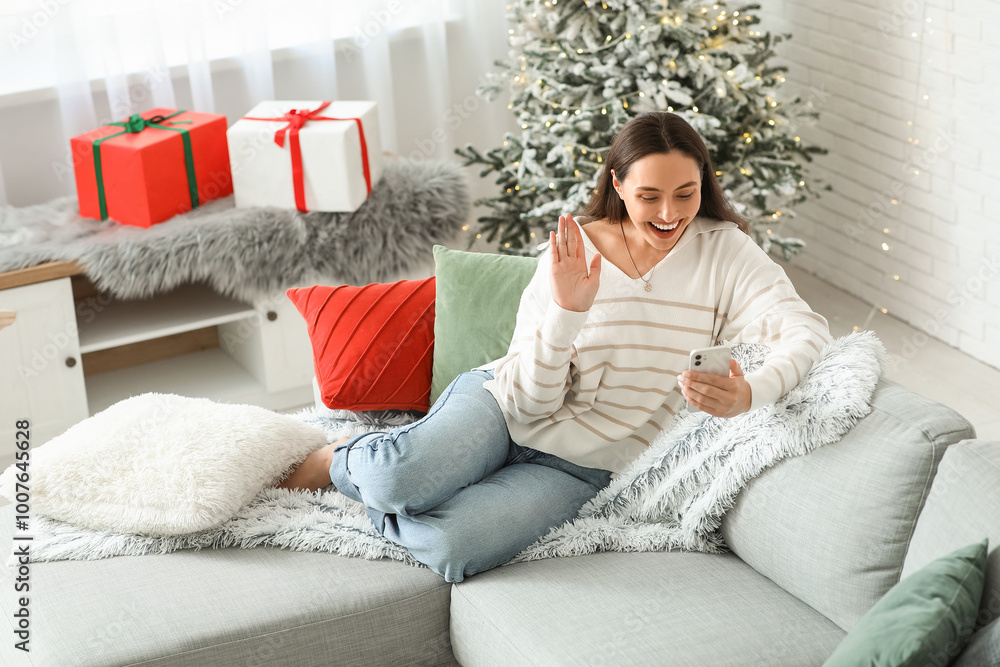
662 194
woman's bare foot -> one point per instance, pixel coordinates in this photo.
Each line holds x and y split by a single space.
314 471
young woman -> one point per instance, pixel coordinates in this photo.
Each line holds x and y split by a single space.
596 367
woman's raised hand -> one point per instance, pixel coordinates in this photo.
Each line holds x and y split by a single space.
573 287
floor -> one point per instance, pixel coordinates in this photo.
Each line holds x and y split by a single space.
934 369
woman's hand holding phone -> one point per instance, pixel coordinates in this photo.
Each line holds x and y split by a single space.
718 395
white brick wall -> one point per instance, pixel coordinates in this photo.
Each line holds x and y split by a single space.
927 169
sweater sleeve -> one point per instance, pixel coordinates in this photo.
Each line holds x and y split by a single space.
533 377
765 308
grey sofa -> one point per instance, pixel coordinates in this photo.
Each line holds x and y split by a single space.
815 541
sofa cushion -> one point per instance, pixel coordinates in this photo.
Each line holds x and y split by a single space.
161 464
963 506
227 608
373 345
478 295
983 649
832 527
922 616
676 608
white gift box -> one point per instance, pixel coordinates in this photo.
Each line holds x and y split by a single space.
333 177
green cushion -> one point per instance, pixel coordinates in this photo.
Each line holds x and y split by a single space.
929 613
476 304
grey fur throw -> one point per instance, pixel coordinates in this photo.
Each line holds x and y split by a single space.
672 497
675 494
249 253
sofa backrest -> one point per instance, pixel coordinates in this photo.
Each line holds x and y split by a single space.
963 507
833 527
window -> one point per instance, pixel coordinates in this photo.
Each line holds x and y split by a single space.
46 42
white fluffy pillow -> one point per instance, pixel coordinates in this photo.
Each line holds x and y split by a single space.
162 464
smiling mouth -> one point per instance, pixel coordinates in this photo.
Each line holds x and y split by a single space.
664 227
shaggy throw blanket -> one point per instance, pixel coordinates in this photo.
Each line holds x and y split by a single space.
672 497
249 253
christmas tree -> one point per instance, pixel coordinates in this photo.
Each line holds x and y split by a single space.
580 69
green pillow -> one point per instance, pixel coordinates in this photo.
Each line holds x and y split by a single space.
475 309
929 613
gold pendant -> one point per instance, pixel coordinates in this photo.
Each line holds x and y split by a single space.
649 288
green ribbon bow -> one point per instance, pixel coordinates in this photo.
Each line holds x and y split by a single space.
134 125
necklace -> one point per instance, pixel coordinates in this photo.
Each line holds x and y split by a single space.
648 288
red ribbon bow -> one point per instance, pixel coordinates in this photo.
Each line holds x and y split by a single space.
296 118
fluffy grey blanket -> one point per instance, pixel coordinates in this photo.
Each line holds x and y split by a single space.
249 253
672 497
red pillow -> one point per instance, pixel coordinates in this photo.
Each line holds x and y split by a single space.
373 346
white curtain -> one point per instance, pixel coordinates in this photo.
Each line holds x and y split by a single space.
69 67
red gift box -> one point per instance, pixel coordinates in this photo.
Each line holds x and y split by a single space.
152 166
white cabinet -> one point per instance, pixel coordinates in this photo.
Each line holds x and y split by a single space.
262 357
273 347
41 377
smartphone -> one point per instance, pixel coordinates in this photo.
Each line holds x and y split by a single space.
713 360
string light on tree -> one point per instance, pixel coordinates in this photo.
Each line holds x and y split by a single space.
579 70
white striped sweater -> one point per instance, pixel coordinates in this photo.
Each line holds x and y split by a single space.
595 388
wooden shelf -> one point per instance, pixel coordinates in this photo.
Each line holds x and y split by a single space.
133 354
39 273
122 322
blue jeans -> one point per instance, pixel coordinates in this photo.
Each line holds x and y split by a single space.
455 490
